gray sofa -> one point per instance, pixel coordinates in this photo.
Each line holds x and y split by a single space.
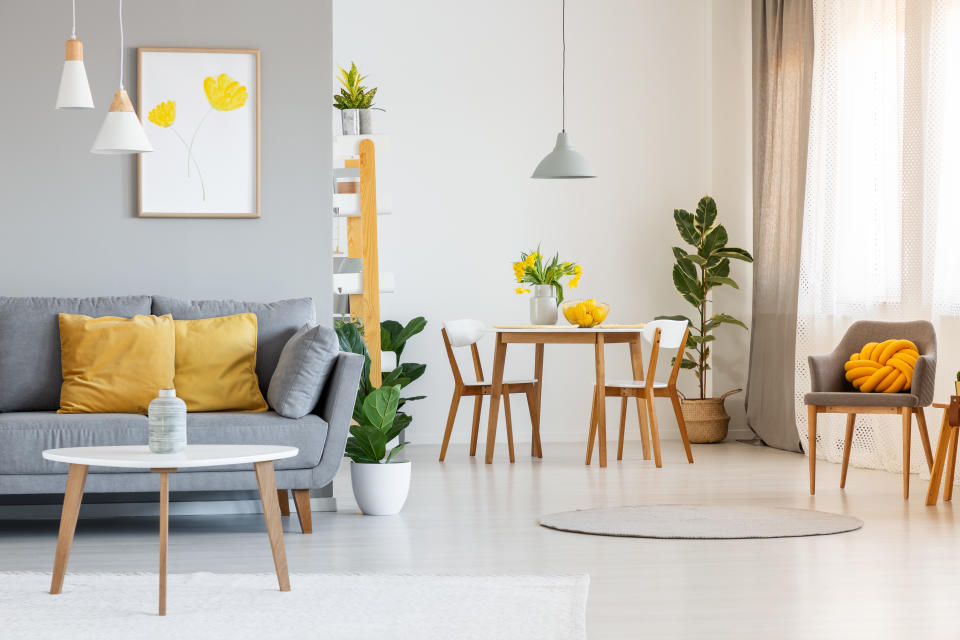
30 379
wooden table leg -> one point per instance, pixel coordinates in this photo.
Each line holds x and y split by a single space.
933 489
499 358
601 400
951 466
636 364
72 497
536 447
164 525
271 514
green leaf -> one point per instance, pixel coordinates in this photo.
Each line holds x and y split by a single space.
690 290
389 331
718 267
736 254
380 408
687 363
714 241
716 281
401 422
370 440
706 215
689 269
684 220
413 327
721 318
393 452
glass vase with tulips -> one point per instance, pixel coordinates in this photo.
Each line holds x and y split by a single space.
533 270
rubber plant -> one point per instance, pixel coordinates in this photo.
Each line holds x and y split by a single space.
697 273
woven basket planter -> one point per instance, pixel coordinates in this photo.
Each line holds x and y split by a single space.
706 418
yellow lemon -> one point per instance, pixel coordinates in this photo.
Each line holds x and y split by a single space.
599 314
591 304
570 313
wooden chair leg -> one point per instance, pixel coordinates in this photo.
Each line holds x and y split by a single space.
812 445
536 450
654 429
951 465
847 441
475 429
284 500
623 427
451 418
509 418
681 424
301 498
592 433
924 435
906 413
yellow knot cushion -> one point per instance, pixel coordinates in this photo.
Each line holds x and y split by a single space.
114 365
883 367
216 361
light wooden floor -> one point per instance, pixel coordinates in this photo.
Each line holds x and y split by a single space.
898 577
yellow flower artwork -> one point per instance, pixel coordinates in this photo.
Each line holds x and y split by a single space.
223 93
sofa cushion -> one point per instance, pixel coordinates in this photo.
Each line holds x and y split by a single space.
23 436
30 375
305 363
276 323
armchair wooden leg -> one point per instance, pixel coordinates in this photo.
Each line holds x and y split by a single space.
509 418
592 434
623 427
284 499
847 441
654 429
906 412
475 428
681 424
812 445
451 418
951 465
924 436
301 498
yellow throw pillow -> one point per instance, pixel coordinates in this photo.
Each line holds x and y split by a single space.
114 365
883 367
216 364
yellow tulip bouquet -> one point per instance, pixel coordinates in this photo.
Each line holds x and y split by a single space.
531 269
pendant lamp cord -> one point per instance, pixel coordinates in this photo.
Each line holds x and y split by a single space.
121 44
73 32
563 80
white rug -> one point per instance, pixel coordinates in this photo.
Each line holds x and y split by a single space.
207 606
701 522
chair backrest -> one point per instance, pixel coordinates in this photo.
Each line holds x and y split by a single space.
919 332
671 332
463 333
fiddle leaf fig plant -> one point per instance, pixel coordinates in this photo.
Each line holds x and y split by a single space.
696 273
376 427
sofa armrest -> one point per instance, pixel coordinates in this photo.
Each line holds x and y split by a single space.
336 408
924 372
826 372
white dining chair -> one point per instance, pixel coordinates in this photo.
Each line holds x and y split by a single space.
660 334
467 333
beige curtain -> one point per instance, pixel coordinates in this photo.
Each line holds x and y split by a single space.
782 74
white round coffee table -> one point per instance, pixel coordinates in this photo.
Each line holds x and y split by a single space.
195 455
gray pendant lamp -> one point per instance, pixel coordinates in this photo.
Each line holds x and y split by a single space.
563 161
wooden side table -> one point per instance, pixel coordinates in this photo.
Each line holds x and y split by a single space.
948 438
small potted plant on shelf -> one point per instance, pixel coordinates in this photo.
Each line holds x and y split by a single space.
544 280
956 384
695 275
355 102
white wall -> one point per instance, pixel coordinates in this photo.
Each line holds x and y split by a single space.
473 98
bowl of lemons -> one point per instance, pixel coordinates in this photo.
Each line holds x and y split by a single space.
585 313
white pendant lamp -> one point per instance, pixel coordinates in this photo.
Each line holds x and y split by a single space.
121 131
563 161
74 90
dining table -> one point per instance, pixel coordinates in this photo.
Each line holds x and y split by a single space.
540 335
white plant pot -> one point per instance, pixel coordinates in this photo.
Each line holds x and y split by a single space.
380 489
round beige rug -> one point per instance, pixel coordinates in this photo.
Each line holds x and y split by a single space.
701 522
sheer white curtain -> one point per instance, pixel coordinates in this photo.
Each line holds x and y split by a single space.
881 236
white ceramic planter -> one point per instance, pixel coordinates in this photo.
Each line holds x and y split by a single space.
380 489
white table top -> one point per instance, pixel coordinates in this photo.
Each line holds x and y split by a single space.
561 328
195 455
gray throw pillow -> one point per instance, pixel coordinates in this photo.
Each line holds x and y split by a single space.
301 373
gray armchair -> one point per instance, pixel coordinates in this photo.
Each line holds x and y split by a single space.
831 393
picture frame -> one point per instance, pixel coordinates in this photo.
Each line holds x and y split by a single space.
200 108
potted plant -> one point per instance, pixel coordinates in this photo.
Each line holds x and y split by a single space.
544 278
695 275
355 102
380 483
956 384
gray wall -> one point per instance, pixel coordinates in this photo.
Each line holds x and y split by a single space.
68 224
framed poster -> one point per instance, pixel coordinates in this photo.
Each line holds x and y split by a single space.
200 109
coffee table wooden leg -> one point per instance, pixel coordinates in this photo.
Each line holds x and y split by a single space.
271 514
164 531
937 472
72 497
